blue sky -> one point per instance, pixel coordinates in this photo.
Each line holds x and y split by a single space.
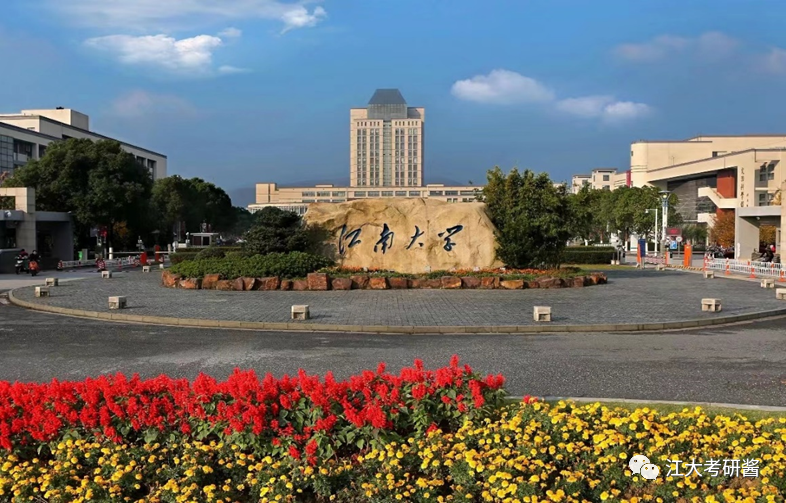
246 91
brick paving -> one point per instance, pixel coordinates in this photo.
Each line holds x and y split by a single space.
631 296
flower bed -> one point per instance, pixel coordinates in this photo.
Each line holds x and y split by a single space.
530 451
350 279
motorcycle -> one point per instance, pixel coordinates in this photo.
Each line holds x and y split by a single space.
20 266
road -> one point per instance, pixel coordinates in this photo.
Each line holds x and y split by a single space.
743 363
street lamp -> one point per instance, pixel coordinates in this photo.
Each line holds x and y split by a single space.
656 226
664 197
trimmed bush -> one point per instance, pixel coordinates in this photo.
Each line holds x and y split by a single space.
202 253
211 252
588 254
285 265
182 256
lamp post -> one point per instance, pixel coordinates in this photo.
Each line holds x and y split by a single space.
664 197
656 227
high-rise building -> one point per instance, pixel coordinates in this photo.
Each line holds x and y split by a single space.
386 142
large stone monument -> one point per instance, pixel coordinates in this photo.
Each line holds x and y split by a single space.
408 235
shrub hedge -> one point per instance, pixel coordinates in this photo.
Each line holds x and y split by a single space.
588 254
285 265
202 253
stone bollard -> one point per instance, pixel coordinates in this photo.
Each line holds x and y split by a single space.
711 305
106 274
52 282
300 313
117 302
542 313
161 265
42 291
768 283
780 293
145 268
709 274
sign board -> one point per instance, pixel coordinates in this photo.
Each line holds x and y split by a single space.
679 239
673 245
673 231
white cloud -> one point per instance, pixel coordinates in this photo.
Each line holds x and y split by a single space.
186 57
774 61
140 104
711 44
229 70
502 87
168 15
625 110
606 108
230 33
300 18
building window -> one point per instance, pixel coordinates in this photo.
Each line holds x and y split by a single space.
451 193
387 193
323 200
467 192
435 193
41 151
360 194
401 193
151 165
339 194
415 193
373 193
606 187
308 200
605 178
323 194
307 194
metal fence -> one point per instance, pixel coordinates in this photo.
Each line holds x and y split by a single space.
748 268
118 263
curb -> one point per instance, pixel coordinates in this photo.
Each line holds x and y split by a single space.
404 330
765 408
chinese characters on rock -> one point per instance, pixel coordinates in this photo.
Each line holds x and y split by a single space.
349 238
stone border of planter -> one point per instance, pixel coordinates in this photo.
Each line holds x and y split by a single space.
322 282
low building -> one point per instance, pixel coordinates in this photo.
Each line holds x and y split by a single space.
26 135
21 226
297 199
601 179
713 174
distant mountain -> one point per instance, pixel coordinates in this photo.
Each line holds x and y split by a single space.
243 197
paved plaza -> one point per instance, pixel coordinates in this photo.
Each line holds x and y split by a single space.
742 363
630 297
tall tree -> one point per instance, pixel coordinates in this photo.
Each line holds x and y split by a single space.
98 182
532 217
722 231
191 202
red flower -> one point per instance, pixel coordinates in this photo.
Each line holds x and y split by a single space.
294 452
445 399
311 448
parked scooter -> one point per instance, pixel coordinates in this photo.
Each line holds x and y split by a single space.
21 265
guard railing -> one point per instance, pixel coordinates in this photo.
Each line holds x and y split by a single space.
748 268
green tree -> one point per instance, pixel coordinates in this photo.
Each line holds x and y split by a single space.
532 216
176 200
244 219
99 183
275 231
